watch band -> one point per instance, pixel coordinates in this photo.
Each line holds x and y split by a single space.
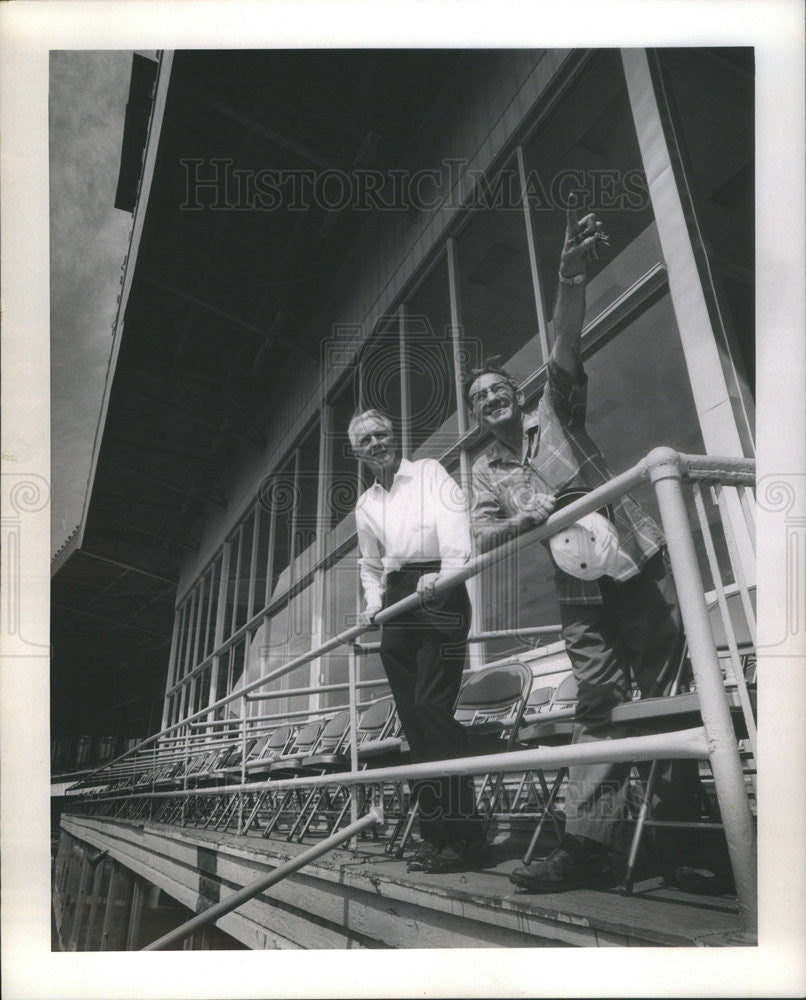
575 279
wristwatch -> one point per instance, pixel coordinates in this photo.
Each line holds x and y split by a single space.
575 279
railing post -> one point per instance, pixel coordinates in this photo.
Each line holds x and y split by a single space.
243 762
723 752
352 663
185 773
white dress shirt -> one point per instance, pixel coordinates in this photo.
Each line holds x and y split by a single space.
421 518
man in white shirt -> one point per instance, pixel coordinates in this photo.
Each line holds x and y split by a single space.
412 530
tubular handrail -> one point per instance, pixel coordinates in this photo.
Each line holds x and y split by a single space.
681 744
602 495
610 491
665 469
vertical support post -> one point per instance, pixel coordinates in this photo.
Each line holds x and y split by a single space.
96 888
79 882
475 652
172 658
405 397
540 302
236 595
185 772
320 613
210 605
724 410
243 761
221 612
135 915
665 474
353 695
250 599
110 907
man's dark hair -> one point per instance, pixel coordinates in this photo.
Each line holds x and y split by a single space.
490 366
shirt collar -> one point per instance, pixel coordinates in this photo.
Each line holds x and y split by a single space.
499 452
405 471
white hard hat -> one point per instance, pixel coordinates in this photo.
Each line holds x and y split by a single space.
588 548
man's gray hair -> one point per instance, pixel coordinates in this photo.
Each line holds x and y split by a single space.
364 415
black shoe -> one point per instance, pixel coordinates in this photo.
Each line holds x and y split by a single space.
697 881
426 852
460 857
479 854
574 864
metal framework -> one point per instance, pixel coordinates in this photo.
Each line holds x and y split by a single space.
715 741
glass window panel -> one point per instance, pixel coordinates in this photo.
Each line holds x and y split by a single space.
588 145
247 530
263 528
221 684
214 577
280 501
181 646
307 494
497 300
428 365
233 581
202 587
204 687
341 602
237 657
380 371
344 468
712 91
286 635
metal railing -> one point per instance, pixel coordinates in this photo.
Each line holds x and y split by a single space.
715 741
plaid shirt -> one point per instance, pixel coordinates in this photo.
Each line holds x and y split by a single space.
558 453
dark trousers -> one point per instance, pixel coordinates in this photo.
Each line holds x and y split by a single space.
636 634
423 653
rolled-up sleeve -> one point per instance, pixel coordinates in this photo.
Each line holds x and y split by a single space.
370 563
567 394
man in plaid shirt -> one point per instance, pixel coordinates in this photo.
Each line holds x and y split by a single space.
618 628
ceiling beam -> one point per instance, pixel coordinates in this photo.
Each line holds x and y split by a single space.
260 331
113 621
128 567
258 128
182 491
180 411
155 448
190 546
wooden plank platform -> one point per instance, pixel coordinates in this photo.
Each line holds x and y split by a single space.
366 898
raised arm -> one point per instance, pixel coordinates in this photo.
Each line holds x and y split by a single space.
582 237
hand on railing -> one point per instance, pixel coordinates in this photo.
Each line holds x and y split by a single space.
367 616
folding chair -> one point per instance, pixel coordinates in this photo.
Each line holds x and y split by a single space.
328 758
257 765
219 772
306 740
490 706
538 701
255 748
375 722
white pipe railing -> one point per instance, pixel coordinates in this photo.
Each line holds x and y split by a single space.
716 741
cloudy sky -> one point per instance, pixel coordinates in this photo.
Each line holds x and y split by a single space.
89 238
